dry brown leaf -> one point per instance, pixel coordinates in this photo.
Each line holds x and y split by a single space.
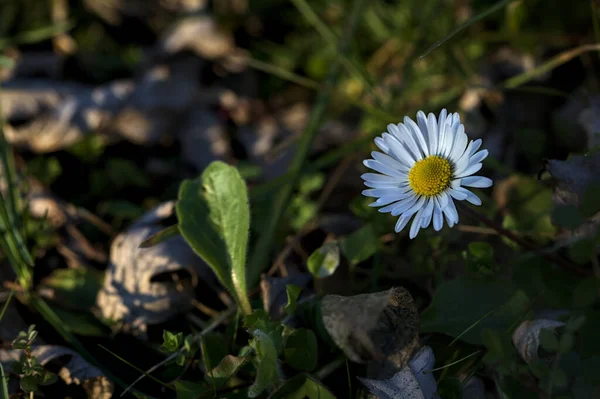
75 370
526 337
199 34
130 295
56 115
379 328
572 177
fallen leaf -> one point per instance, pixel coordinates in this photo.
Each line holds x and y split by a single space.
74 370
526 337
130 294
574 179
379 328
411 382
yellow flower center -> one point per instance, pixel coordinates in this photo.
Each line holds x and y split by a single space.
430 176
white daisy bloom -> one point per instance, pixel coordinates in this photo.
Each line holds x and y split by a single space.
424 167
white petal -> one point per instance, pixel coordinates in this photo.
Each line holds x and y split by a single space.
472 198
480 156
459 145
427 214
446 144
403 203
382 168
451 213
403 206
396 148
417 134
476 181
463 161
389 161
416 207
458 194
416 225
374 177
438 218
432 133
410 143
422 122
475 147
379 142
381 192
472 168
401 223
379 184
443 199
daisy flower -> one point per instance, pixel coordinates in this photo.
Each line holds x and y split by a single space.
424 167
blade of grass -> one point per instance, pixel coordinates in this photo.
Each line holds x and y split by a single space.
312 84
10 295
51 317
549 65
160 236
471 21
262 250
137 368
453 363
331 39
595 21
37 35
3 384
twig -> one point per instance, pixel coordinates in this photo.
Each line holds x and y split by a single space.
214 324
522 242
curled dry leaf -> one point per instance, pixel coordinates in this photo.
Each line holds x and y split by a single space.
199 34
526 337
74 370
57 116
133 290
573 178
411 382
203 138
379 328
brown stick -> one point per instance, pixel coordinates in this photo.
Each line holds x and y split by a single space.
522 242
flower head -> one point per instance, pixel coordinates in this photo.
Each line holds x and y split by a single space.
424 167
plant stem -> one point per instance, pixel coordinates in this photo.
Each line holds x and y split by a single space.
263 248
520 241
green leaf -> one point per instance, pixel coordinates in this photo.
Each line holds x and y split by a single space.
567 216
493 343
325 260
465 306
3 384
302 386
214 348
301 350
171 342
590 202
267 369
548 340
190 390
74 288
293 292
566 343
360 245
586 293
223 372
29 383
48 378
160 236
480 257
450 388
82 323
214 219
